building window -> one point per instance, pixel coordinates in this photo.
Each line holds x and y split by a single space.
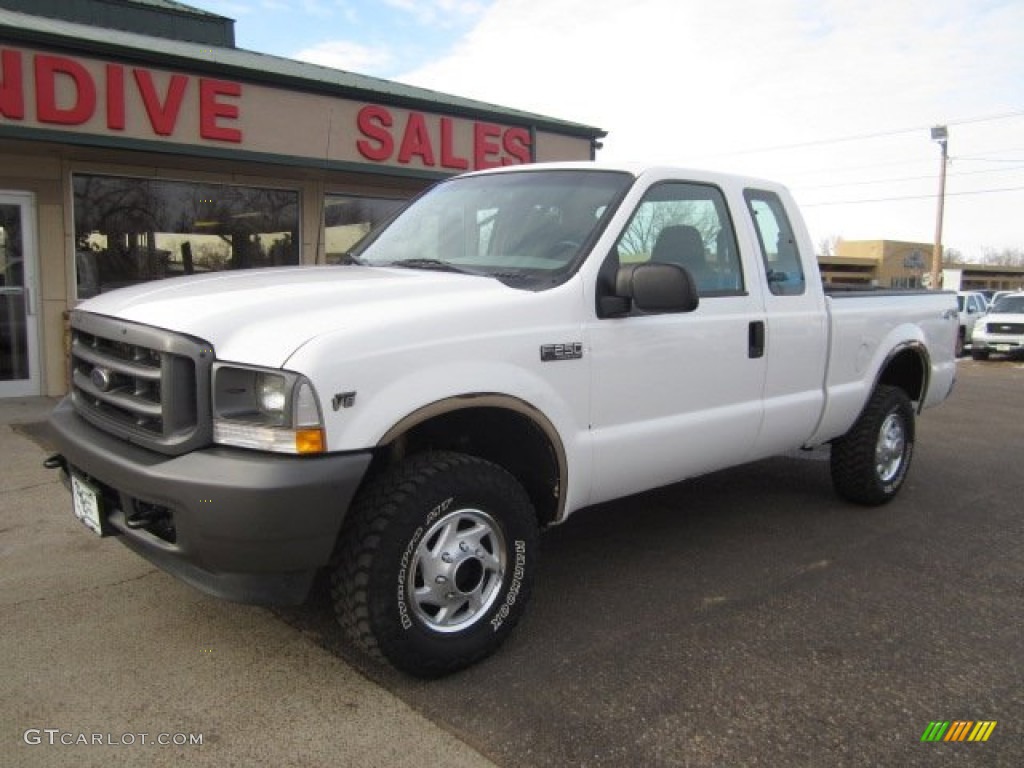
905 282
348 219
131 230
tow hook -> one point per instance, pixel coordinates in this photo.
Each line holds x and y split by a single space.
56 461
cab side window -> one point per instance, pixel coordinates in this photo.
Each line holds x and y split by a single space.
686 224
778 244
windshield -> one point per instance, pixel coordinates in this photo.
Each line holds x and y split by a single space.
1009 305
529 227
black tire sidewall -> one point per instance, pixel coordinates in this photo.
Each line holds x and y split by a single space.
902 409
441 483
854 470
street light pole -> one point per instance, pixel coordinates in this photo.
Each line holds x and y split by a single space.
941 135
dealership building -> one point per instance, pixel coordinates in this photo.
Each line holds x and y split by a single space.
138 143
896 264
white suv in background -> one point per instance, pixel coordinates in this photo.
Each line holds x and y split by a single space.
1002 329
972 305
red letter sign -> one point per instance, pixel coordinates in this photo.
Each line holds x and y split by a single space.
448 157
373 124
516 142
115 97
163 117
485 146
47 109
12 97
211 109
416 141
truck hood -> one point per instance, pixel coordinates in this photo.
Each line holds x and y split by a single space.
262 316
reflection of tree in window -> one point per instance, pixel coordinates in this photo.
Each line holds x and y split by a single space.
348 219
688 224
131 230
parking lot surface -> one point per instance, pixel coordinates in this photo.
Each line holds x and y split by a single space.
750 617
744 618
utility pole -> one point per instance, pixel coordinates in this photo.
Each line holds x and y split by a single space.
941 135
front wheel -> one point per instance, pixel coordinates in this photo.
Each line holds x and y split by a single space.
870 462
435 562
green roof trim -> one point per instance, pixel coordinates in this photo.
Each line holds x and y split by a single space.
154 18
264 69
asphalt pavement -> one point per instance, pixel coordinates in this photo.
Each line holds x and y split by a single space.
745 618
110 662
752 618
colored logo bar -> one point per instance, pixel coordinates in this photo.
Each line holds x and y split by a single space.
959 730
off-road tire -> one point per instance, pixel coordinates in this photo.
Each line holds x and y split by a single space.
420 537
870 462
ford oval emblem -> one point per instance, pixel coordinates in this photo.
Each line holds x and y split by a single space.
101 378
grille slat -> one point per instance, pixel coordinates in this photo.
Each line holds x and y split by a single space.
129 368
119 398
143 384
1008 328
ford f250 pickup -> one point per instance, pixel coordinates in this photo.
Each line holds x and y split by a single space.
516 345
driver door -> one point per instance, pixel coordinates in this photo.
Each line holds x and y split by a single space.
679 394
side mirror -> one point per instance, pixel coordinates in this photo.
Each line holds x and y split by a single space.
656 288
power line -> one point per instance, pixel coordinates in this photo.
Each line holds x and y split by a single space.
958 175
863 136
911 197
992 152
871 166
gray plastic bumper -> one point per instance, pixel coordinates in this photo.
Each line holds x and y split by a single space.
247 526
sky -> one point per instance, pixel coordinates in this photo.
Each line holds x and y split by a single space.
834 98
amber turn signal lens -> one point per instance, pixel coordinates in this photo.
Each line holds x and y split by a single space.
309 441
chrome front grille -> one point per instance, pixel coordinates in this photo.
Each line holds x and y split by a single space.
144 384
121 380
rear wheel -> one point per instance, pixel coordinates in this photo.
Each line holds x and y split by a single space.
979 353
870 462
435 563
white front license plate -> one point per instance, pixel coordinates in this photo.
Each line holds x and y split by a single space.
86 501
1003 347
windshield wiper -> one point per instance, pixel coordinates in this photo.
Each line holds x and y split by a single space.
347 258
442 266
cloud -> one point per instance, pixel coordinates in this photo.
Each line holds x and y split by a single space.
692 82
348 56
444 14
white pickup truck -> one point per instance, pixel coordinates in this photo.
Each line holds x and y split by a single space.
516 345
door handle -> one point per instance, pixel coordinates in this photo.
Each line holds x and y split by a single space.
755 339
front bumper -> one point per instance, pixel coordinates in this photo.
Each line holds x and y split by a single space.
241 525
994 342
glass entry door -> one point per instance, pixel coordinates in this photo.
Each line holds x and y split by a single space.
19 351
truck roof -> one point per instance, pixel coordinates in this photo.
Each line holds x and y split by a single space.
638 169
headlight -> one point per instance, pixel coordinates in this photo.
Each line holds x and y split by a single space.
266 410
271 393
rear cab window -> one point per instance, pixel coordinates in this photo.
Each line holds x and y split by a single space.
783 265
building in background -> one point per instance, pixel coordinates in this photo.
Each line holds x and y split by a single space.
895 264
137 143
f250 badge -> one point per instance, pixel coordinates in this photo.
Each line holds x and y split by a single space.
572 350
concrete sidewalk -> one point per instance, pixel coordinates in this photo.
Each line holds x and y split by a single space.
100 646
